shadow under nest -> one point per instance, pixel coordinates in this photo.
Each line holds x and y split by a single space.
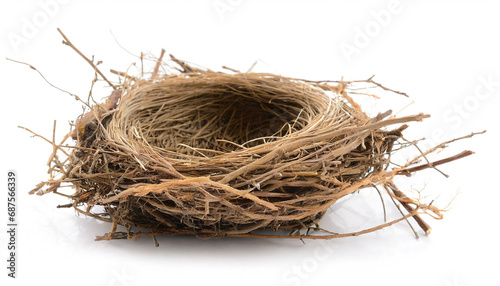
215 154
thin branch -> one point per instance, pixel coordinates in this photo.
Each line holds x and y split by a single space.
251 67
231 69
68 42
123 74
382 200
401 212
40 136
369 80
441 146
158 64
429 163
408 171
119 45
45 79
400 195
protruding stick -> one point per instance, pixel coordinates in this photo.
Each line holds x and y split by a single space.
158 64
408 171
68 42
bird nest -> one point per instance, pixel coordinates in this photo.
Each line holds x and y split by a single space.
216 154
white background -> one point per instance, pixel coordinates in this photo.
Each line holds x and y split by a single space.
440 52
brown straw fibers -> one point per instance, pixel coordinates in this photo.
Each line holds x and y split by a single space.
217 154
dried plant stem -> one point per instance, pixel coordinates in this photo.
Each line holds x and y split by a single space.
69 43
461 155
158 64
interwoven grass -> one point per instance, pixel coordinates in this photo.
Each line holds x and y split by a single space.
226 154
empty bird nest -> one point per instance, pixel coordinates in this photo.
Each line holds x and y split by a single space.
216 154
